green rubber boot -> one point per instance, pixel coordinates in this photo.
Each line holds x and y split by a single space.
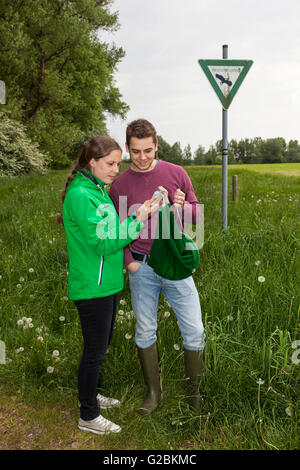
149 362
194 365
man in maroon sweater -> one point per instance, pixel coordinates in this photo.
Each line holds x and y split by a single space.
128 191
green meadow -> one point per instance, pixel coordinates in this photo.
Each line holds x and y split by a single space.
248 282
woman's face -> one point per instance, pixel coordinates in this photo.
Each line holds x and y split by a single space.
107 168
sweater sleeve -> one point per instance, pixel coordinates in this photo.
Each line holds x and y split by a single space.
192 210
100 224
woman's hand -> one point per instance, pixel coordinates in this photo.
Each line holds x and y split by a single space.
148 208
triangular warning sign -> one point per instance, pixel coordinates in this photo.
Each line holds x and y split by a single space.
226 77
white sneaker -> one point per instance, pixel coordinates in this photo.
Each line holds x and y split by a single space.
99 425
106 402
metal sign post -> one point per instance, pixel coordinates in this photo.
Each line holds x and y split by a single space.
224 155
225 76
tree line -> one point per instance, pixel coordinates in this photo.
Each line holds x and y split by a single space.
59 73
257 150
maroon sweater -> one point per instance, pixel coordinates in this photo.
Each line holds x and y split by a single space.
133 188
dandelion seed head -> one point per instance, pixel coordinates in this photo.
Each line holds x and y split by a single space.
123 302
50 369
55 353
176 347
167 314
61 318
128 336
20 322
261 278
257 263
31 270
260 382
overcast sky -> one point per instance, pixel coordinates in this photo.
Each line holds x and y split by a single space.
161 80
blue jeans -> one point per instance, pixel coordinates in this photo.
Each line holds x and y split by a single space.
145 286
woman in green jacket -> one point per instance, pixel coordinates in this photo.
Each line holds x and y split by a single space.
95 242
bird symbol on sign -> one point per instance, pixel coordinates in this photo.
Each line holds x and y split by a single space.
223 80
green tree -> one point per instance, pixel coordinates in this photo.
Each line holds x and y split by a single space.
176 154
273 150
199 156
163 149
211 156
59 76
293 151
187 156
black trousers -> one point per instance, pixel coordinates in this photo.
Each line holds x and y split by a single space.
97 318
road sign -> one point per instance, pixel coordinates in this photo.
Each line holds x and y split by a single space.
226 77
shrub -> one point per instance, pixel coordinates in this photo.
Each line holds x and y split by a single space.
18 154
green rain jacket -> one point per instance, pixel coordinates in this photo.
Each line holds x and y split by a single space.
95 239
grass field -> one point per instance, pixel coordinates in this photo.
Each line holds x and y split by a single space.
248 281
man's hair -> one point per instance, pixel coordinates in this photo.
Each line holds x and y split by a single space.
141 129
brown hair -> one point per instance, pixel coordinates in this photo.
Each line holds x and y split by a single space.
97 147
140 128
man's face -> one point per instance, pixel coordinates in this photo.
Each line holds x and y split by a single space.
142 153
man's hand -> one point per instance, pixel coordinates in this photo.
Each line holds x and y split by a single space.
133 267
179 197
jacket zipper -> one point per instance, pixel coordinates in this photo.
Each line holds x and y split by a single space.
101 270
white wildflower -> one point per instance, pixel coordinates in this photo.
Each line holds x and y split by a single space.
167 314
260 382
28 320
21 279
21 349
20 322
121 312
19 286
55 353
288 411
40 338
261 278
61 318
176 347
50 369
123 302
257 263
128 336
31 270
30 325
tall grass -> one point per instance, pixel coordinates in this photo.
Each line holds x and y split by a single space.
250 389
